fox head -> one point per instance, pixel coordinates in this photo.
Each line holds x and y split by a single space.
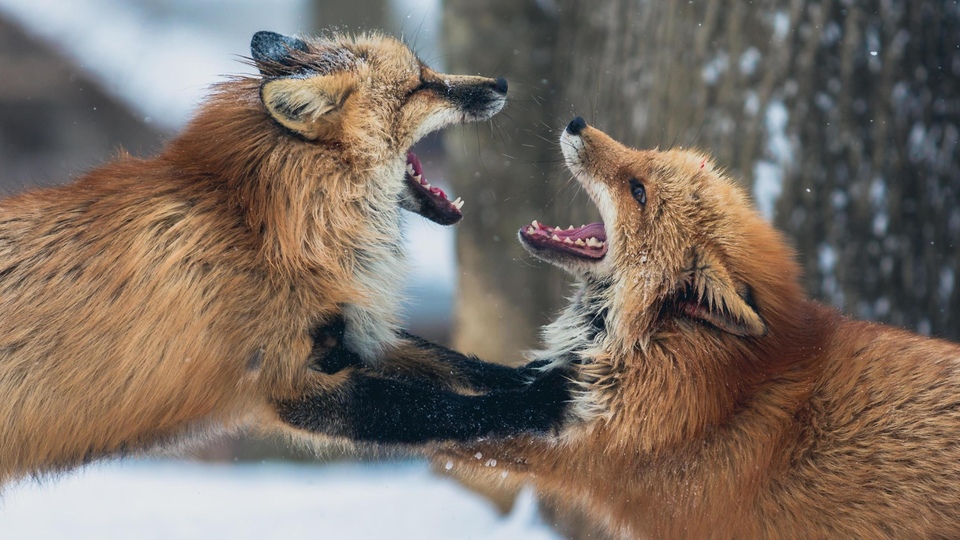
678 241
369 99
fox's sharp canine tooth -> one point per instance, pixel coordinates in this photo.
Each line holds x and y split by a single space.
570 228
410 170
567 241
580 242
535 224
555 238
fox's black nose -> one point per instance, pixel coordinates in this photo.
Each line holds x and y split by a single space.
500 85
576 126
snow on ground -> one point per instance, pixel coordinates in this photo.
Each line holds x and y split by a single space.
177 500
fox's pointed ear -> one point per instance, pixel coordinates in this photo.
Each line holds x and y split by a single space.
309 106
273 49
713 296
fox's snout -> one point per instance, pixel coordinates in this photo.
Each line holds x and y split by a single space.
479 97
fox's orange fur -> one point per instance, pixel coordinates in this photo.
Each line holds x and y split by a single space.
152 299
717 400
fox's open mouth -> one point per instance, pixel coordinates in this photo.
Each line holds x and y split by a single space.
586 242
428 201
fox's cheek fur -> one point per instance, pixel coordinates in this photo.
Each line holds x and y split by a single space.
447 100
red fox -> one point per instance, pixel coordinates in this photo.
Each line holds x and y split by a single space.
715 400
249 274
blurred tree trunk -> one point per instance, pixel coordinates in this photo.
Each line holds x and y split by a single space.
503 173
351 15
873 198
842 117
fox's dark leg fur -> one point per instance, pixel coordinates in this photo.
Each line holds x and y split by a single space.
368 408
469 372
409 406
420 360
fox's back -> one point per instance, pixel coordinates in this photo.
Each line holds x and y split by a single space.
884 422
116 277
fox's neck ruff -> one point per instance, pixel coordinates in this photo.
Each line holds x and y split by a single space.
314 213
579 336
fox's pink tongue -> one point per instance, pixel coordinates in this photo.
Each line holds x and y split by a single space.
413 160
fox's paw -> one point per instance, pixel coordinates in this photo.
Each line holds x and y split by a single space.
329 354
547 400
530 371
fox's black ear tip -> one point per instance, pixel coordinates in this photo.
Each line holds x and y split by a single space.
263 41
271 46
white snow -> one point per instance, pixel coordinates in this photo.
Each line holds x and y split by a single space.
827 258
767 186
177 500
750 60
715 68
945 288
768 173
781 25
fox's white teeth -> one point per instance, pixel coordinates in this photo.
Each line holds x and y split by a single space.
570 228
425 184
592 242
535 224
567 241
531 230
580 242
458 203
555 238
410 170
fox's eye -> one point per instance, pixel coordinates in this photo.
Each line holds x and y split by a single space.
638 191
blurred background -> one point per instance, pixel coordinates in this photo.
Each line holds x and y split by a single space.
842 118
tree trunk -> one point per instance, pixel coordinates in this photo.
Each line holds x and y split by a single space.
872 199
503 173
351 15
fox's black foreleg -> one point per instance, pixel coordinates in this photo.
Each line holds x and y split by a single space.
373 409
419 360
411 398
473 373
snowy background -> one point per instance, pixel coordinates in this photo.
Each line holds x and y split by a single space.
166 500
